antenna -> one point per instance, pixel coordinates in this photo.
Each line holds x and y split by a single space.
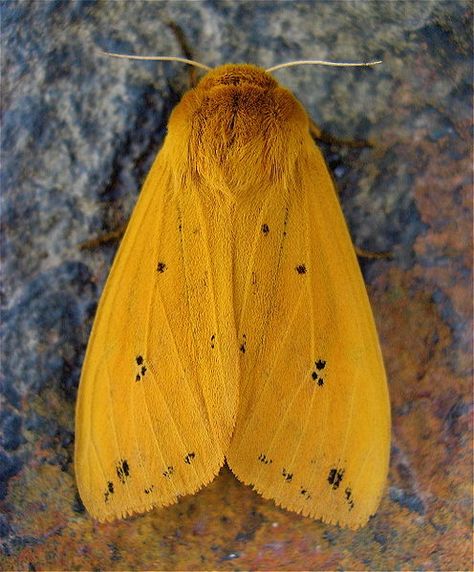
156 58
321 63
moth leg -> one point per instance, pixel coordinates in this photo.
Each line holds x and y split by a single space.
320 135
362 253
117 234
187 51
106 238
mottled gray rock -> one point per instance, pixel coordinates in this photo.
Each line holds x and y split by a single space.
80 130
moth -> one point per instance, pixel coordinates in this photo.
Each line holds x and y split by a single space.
234 325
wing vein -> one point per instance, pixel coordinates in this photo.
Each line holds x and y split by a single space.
310 290
154 296
355 481
273 287
277 355
114 429
211 281
344 443
180 359
248 279
188 302
101 465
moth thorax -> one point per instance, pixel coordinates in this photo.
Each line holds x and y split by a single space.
239 128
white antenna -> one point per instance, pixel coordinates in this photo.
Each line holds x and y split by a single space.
156 58
321 63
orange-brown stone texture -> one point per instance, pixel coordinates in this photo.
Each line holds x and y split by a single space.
79 132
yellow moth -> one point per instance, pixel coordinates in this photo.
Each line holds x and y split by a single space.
235 326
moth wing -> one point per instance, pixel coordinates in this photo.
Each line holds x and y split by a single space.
158 393
313 426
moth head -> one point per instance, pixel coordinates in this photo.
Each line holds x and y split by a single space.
243 75
241 101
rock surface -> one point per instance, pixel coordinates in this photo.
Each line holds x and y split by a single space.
79 134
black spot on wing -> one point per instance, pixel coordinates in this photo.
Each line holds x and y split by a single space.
148 490
141 369
243 345
305 493
264 459
168 472
109 491
319 365
123 470
213 341
335 477
301 268
189 457
265 229
287 476
161 267
349 498
285 221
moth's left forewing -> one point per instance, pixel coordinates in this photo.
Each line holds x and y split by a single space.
158 393
313 426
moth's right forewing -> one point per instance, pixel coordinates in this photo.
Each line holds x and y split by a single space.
313 425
